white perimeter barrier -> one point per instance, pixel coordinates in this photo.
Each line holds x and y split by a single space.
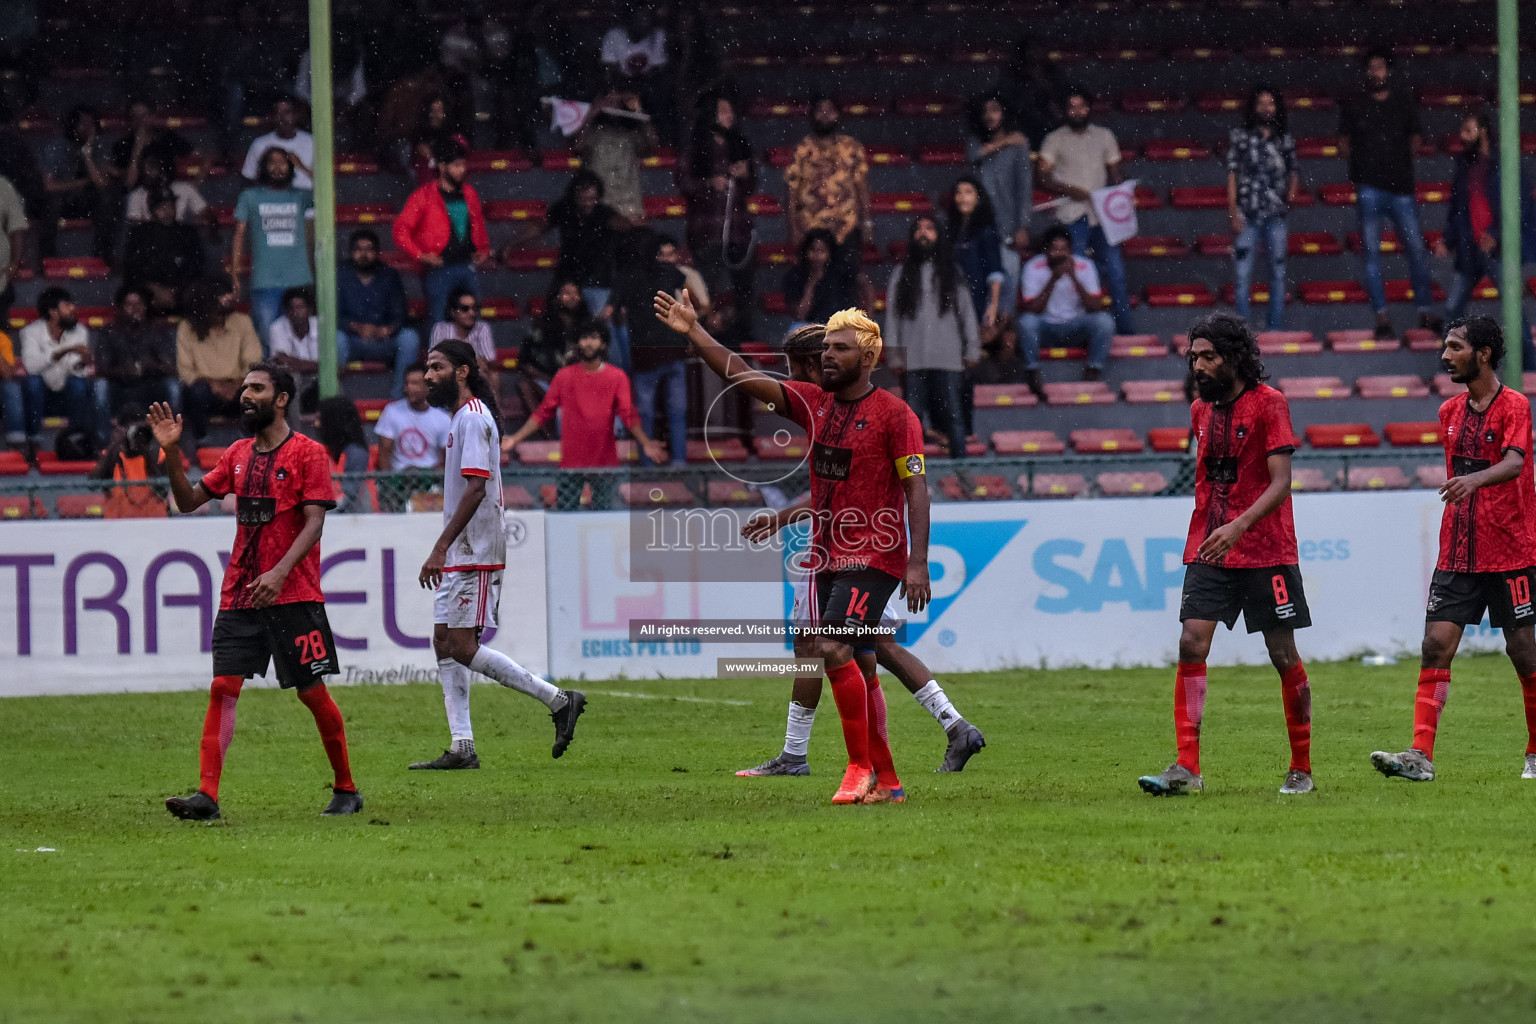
128 605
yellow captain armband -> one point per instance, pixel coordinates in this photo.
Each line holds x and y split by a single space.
909 465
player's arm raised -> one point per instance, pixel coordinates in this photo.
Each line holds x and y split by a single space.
1459 488
727 365
264 589
1223 539
432 569
166 426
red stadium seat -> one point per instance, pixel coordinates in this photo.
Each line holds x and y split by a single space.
902 57
1309 479
1165 295
655 493
76 268
1288 343
1389 241
1004 396
764 206
1328 292
765 106
1361 341
665 158
1168 439
531 259
866 106
1378 478
1433 191
1079 392
1127 485
1450 96
1194 53
355 164
1339 193
664 207
499 211
900 202
756 59
980 488
1059 353
1392 386
780 156
79 506
1412 435
1271 51
539 453
1318 147
732 492
65 467
1420 339
1154 102
1137 346
506 358
1219 102
365 213
497 161
1342 435
1054 485
1201 197
14 464
1149 392
1258 294
773 303
1167 150
1026 442
207 458
940 450
1147 199
1126 52
1092 442
1294 388
1432 477
781 445
516 496
15 506
831 58
928 106
947 154
370 408
1402 291
887 155
1313 243
977 56
1153 247
1214 245
1308 99
727 450
1447 388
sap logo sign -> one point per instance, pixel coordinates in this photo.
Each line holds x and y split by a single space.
1073 585
1324 550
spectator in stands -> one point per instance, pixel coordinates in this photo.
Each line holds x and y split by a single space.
930 331
1033 89
433 129
339 427
693 282
146 138
589 239
1473 230
1000 155
56 351
130 455
634 57
153 176
1063 307
274 220
820 284
135 359
252 66
19 166
589 395
13 393
80 181
163 255
616 135
1261 186
659 355
973 237
1379 133
287 136
551 340
1076 159
215 345
13 241
828 183
413 436
718 180
461 322
442 227
296 345
370 310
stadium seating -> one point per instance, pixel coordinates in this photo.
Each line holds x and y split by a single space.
1093 442
732 492
1124 485
1168 439
1392 386
979 488
655 493
1378 478
1143 392
1054 485
1342 435
1411 434
1002 396
1027 442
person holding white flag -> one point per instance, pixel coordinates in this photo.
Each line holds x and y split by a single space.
1076 160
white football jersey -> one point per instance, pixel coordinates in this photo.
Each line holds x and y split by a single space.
474 450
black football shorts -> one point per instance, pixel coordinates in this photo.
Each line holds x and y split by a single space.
296 636
854 597
1269 598
1462 597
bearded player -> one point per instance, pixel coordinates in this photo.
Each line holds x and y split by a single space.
271 608
466 563
1487 539
1241 554
866 458
803 350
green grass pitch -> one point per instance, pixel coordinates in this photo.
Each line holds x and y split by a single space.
638 880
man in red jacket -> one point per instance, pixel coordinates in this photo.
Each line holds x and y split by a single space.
443 228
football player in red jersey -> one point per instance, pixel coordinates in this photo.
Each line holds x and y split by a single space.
271 608
1241 553
1487 539
866 461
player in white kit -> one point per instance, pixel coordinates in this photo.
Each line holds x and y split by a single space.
466 564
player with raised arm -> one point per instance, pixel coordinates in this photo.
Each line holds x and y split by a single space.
1241 553
866 459
271 608
466 563
1487 539
803 350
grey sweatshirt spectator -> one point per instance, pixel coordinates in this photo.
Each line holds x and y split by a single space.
1000 154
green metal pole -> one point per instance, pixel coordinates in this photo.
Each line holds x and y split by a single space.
325 188
1511 287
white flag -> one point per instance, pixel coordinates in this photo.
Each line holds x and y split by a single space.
1115 207
566 115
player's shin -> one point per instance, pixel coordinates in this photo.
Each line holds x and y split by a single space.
1188 707
333 733
1296 693
1434 689
849 691
879 740
454 678
1528 692
797 732
218 730
514 677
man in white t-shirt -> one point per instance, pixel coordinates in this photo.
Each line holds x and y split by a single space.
296 345
412 432
1063 307
287 136
1076 159
466 563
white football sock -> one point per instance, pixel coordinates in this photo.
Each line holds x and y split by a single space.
455 680
797 735
513 676
932 698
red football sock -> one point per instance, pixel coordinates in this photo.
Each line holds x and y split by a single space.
1188 706
1528 691
849 692
1296 693
218 730
332 732
1434 688
879 741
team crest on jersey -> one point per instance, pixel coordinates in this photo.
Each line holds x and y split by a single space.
860 424
282 474
1490 437
1242 431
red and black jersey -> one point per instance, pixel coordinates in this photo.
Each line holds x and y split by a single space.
1493 530
1234 442
861 451
271 490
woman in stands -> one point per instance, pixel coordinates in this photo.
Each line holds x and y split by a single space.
820 284
718 179
978 249
339 427
551 341
1000 156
